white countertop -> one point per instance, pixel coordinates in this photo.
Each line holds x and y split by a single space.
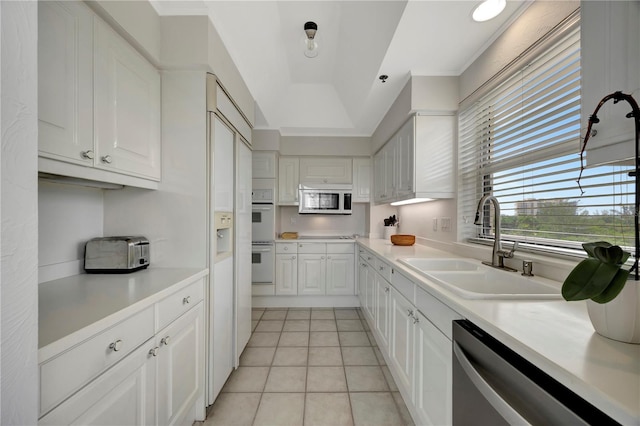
556 336
74 308
318 239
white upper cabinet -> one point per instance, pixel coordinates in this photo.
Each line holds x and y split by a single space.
325 170
127 107
361 180
288 177
264 165
610 60
222 140
417 162
65 81
99 100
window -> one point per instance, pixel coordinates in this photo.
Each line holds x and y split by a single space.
520 142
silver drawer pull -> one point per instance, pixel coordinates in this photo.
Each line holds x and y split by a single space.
416 320
87 154
386 290
107 159
186 300
116 346
409 313
154 351
293 257
165 340
382 268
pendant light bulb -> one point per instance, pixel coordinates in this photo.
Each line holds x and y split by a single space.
310 44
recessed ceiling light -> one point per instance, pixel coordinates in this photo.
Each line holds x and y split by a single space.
488 9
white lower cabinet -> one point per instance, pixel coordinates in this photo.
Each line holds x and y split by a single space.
157 381
180 366
401 339
414 335
286 275
382 290
340 274
125 395
325 269
311 274
432 374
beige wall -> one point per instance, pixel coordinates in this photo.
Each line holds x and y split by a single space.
325 145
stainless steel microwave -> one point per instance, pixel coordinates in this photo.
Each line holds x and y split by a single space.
325 199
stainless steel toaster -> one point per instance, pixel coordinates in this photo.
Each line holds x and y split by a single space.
116 254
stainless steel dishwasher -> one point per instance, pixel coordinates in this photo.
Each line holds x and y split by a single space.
492 385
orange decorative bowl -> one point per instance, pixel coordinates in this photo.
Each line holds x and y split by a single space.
403 239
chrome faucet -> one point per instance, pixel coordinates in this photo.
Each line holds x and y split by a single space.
498 255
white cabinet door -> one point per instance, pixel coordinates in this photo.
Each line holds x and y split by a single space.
379 176
433 374
223 163
340 274
180 366
325 170
361 180
401 339
404 160
123 395
390 164
610 60
221 362
382 290
264 165
286 274
311 274
65 81
363 272
127 107
370 295
288 177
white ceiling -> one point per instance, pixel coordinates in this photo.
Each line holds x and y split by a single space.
338 93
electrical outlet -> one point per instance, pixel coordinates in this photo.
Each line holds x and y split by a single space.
445 223
435 224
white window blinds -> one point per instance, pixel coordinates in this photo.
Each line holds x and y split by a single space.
520 142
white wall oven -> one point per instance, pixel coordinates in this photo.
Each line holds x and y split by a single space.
263 223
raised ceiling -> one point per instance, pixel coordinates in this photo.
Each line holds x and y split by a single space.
338 93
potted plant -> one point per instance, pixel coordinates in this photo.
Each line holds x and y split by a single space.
613 306
390 226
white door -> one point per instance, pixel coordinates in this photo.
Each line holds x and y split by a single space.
180 367
405 159
286 274
127 107
361 180
433 374
390 179
223 163
264 165
340 274
311 274
221 350
325 170
401 339
65 81
382 289
123 395
242 247
370 295
288 174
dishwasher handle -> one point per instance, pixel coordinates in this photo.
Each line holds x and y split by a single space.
500 405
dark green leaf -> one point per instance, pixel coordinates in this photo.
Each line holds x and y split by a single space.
588 279
590 247
614 288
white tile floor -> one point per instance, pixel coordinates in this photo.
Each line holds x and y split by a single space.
310 367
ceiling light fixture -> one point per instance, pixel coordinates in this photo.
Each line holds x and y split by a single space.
488 9
310 44
383 78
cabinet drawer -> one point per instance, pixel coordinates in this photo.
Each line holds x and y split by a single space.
384 269
63 375
340 248
178 303
284 248
404 285
319 248
437 312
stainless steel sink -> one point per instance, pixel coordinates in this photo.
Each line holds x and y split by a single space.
471 280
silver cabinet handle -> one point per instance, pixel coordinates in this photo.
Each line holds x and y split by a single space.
285 248
416 319
165 340
88 154
321 257
154 351
381 268
107 159
116 346
386 290
293 257
409 313
186 300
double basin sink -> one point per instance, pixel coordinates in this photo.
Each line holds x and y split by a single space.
471 279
